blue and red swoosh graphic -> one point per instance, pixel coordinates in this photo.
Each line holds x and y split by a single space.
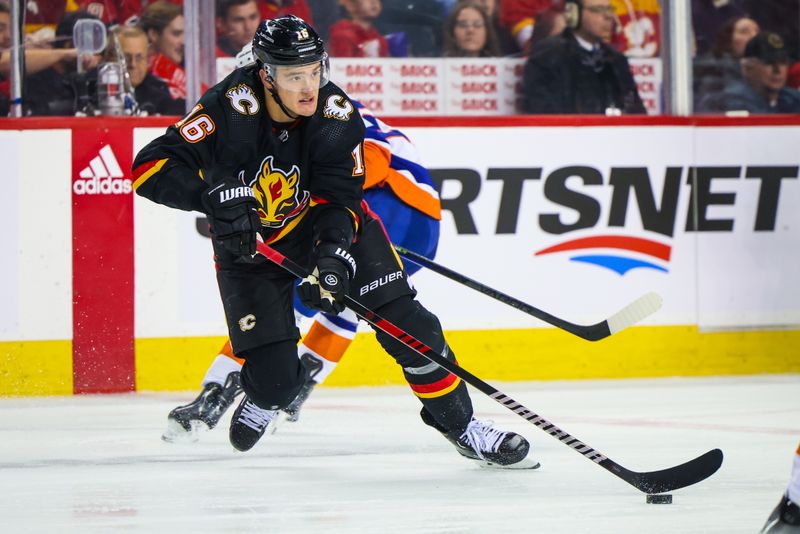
617 263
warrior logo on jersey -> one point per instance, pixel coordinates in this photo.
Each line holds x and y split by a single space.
337 107
243 99
278 194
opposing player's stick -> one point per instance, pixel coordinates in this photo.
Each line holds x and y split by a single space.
632 313
670 479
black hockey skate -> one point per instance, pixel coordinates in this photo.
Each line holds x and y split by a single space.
784 519
249 423
186 423
488 446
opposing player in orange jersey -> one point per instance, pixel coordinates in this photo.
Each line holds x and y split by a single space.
400 190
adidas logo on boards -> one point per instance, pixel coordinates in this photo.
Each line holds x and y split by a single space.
103 176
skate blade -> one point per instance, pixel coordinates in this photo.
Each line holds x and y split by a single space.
525 463
292 417
175 433
276 422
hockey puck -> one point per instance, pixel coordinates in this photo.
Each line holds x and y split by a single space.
664 498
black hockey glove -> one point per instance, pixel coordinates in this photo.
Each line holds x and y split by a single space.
325 288
232 211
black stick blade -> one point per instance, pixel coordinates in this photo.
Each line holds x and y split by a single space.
677 477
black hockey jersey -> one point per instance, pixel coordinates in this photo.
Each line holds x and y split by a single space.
294 169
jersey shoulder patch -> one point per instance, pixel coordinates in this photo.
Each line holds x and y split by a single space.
243 99
337 107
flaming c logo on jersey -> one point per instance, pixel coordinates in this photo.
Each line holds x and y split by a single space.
337 107
278 194
243 99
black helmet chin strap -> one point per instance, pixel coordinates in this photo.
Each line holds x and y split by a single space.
274 92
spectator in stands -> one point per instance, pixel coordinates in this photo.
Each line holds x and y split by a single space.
356 35
237 21
519 16
578 71
708 16
550 22
57 90
733 37
762 89
36 59
719 68
163 23
505 41
781 17
469 32
152 94
638 29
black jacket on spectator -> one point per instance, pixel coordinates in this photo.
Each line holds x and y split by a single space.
711 75
563 77
153 96
739 96
50 93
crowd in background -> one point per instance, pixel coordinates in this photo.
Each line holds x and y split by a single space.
745 51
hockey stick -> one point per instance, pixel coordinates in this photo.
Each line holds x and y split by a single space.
632 313
670 479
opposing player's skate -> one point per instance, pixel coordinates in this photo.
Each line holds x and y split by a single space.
293 410
249 423
186 423
784 519
488 446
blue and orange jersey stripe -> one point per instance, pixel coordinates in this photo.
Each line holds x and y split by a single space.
392 159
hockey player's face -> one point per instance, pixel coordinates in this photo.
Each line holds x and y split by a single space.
298 87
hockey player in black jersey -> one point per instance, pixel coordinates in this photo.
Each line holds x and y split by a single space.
276 151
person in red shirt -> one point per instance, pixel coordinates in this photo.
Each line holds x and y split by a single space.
163 23
237 21
357 36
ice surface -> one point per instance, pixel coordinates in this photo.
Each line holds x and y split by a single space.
360 460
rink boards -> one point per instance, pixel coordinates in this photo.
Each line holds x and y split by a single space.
105 291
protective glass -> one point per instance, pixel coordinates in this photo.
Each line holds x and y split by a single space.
299 78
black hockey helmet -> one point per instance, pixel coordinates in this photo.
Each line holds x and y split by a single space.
287 40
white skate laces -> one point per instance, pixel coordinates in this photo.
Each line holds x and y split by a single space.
481 436
254 417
